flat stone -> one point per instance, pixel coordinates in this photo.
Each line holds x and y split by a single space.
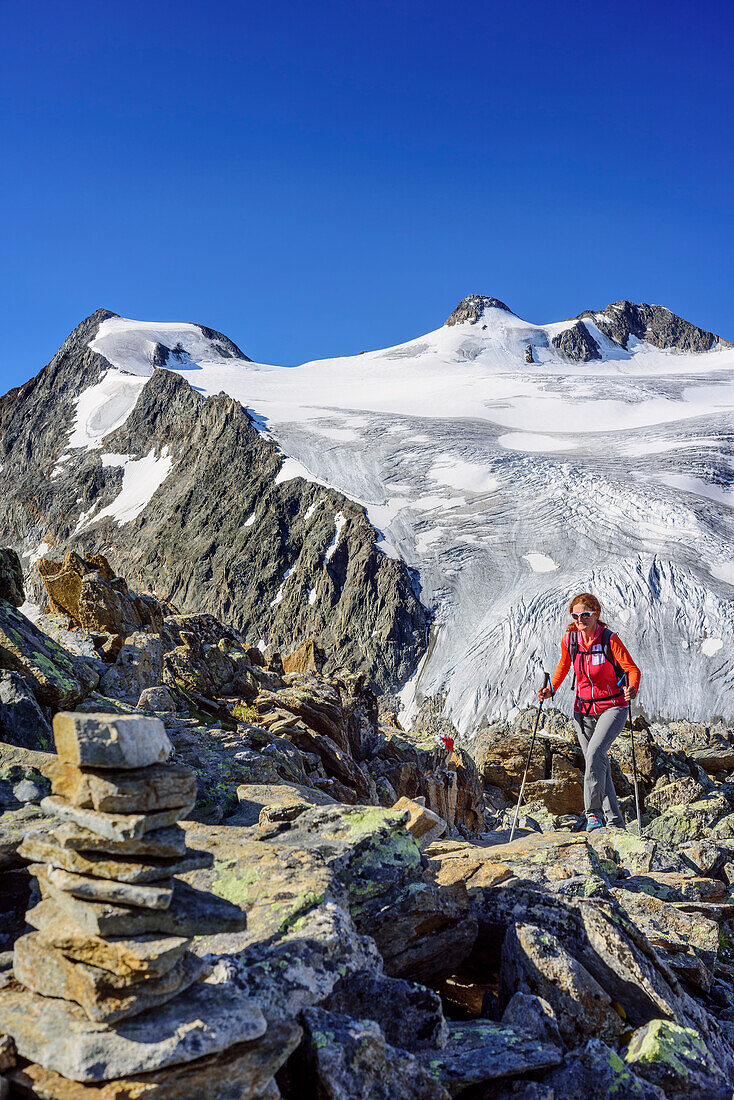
483 1051
146 956
110 740
140 790
202 1020
113 826
102 995
157 843
242 1072
103 889
192 912
41 848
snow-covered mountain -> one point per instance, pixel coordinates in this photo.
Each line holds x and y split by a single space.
508 464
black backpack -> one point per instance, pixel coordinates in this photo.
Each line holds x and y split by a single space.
606 638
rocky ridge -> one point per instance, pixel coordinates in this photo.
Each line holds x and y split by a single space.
233 534
346 887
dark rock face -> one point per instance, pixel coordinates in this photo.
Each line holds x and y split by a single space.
283 562
11 578
654 324
577 344
472 308
22 721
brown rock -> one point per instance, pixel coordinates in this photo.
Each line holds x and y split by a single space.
146 956
103 996
563 793
307 658
424 824
140 790
158 843
42 848
282 801
86 888
7 1053
114 826
502 762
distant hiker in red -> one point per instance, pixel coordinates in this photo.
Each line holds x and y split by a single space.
599 662
448 743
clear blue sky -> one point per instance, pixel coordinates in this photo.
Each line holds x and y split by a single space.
316 178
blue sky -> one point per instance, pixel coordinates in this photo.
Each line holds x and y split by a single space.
319 178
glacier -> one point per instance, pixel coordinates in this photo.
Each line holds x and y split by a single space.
508 485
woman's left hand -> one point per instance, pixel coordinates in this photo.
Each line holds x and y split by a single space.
629 693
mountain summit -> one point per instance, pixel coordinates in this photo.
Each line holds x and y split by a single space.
425 510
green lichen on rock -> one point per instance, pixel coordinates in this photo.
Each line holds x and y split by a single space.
665 1052
233 881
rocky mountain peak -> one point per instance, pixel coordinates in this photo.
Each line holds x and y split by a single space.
472 308
655 324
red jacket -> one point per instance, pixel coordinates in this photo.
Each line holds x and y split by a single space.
596 680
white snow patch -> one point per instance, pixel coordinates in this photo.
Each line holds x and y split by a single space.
710 646
115 460
526 441
104 407
249 521
312 596
457 473
723 571
59 467
262 645
699 487
31 611
40 551
279 593
311 509
540 563
624 615
662 446
293 468
140 480
339 521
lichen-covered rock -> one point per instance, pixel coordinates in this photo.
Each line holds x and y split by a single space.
409 1015
692 822
349 1059
481 1051
535 961
11 578
56 678
596 1070
22 722
676 1059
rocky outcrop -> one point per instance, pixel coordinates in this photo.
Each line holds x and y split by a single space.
656 325
472 309
11 578
577 344
284 560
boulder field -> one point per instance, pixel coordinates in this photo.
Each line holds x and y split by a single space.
228 875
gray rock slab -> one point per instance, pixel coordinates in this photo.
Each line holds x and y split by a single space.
86 888
192 912
42 848
202 1020
484 1051
114 826
158 843
110 740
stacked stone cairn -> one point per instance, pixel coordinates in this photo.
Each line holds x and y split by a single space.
106 986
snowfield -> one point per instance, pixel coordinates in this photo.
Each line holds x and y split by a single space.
507 486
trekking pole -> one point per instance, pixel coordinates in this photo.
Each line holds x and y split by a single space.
546 681
625 680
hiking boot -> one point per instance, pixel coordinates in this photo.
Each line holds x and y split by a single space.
593 821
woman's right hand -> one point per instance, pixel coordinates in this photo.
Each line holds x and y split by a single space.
544 693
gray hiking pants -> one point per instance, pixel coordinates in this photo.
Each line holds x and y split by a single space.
596 732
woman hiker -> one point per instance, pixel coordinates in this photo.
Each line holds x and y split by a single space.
600 710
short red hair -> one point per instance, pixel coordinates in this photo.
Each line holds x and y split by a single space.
589 601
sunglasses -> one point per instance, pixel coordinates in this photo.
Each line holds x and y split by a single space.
582 615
